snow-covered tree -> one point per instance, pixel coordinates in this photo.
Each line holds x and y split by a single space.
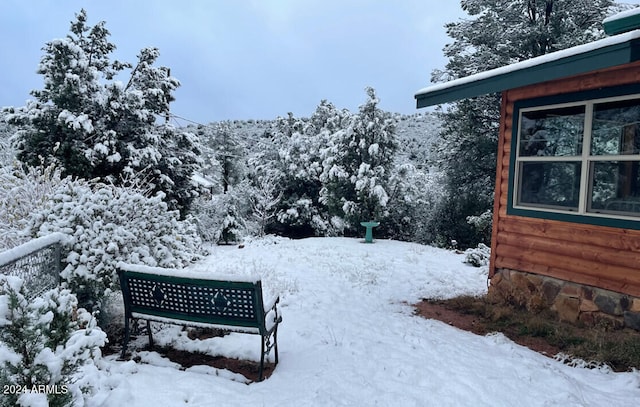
265 198
43 342
299 161
7 153
222 218
229 152
105 226
413 193
357 164
172 175
499 32
95 126
58 125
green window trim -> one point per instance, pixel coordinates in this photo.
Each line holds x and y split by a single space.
588 161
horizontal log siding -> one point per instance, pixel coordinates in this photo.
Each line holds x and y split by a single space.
604 257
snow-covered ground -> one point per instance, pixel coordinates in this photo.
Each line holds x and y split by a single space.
349 338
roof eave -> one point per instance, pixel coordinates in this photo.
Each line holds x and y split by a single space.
601 58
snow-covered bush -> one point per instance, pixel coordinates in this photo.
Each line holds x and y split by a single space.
412 196
482 224
43 342
7 152
107 224
223 217
478 256
23 191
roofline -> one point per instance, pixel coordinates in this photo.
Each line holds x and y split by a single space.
606 53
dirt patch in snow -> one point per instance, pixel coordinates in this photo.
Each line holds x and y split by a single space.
473 323
603 344
249 369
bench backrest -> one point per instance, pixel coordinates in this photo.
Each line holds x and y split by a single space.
216 302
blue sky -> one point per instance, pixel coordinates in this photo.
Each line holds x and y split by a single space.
249 59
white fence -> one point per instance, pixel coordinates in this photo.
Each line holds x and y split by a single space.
36 262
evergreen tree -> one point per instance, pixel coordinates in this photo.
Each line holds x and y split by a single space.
229 152
499 33
43 342
300 161
95 127
7 153
57 126
357 164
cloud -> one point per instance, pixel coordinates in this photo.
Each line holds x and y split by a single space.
249 59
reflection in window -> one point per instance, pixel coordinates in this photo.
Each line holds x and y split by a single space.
550 184
615 128
554 173
615 187
552 132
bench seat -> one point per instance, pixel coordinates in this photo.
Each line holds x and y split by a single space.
195 299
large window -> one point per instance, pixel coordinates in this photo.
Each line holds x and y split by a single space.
581 158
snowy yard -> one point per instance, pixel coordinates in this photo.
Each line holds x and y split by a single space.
349 338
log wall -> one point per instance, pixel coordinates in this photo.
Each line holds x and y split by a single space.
603 257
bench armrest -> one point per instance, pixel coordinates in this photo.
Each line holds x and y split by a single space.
271 303
272 316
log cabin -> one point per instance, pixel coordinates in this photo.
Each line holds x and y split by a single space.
566 216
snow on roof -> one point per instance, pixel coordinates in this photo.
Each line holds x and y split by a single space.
529 63
622 14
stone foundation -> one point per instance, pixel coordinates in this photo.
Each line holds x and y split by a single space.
574 303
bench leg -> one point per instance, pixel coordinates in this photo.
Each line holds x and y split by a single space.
263 339
266 348
125 342
275 342
150 334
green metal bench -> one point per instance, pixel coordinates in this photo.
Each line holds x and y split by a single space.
191 299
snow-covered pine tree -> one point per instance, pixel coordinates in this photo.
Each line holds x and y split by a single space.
300 162
7 153
413 193
58 125
499 32
96 127
179 159
234 205
209 166
43 342
229 152
357 164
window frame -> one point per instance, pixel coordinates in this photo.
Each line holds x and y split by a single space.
584 213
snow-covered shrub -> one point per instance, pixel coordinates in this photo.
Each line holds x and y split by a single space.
478 256
23 191
223 217
107 224
43 342
7 152
482 223
413 194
